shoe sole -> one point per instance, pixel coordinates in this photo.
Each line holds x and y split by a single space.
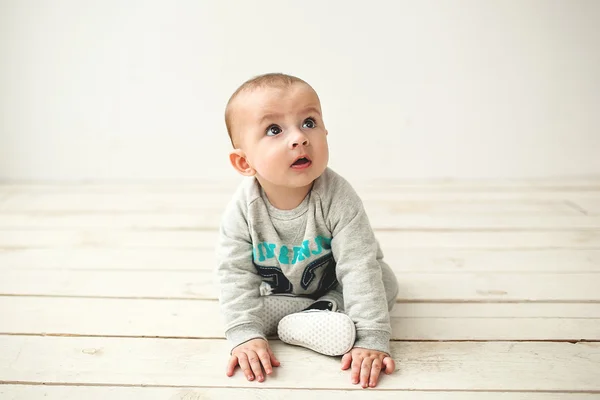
326 332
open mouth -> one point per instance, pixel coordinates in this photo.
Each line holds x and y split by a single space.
302 162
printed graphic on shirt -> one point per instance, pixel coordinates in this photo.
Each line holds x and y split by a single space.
318 276
275 278
264 251
324 269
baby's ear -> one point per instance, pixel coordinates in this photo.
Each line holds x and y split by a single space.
238 160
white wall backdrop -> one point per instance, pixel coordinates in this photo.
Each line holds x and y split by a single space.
131 90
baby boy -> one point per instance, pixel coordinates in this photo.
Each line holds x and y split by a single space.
297 256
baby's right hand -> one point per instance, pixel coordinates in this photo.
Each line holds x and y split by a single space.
250 355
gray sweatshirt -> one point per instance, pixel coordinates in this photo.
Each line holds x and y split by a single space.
324 242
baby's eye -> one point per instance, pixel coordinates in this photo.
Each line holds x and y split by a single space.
273 130
309 123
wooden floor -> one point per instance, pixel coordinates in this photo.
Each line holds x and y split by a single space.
106 291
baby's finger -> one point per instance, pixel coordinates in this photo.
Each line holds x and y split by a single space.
356 362
255 365
390 365
243 360
265 359
274 361
375 370
365 372
233 362
346 361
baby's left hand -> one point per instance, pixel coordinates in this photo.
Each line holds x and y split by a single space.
367 364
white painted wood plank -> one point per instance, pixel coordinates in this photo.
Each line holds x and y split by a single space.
125 199
406 260
205 219
432 287
500 287
138 187
376 206
587 183
542 197
390 240
410 185
78 202
21 392
424 365
134 199
214 203
410 321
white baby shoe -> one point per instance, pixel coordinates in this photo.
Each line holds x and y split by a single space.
326 332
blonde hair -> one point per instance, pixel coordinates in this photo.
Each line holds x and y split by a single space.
278 80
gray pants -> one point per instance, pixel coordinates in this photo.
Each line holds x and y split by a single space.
278 306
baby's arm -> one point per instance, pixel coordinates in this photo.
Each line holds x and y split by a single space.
355 250
240 301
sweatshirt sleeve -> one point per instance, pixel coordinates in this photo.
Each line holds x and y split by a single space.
355 250
238 280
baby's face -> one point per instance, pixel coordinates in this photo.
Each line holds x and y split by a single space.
282 134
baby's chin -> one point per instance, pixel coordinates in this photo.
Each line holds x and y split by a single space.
303 179
293 178
293 182
296 182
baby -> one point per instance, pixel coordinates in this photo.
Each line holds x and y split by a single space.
297 256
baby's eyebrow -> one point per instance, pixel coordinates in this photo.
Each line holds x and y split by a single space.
268 116
272 116
311 109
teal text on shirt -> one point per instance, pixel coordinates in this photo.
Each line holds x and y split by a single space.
265 250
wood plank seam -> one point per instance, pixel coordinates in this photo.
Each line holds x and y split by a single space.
399 301
280 388
223 338
576 206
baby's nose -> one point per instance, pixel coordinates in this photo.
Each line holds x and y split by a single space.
299 139
296 143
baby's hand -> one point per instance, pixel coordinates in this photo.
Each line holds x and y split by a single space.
367 363
249 356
